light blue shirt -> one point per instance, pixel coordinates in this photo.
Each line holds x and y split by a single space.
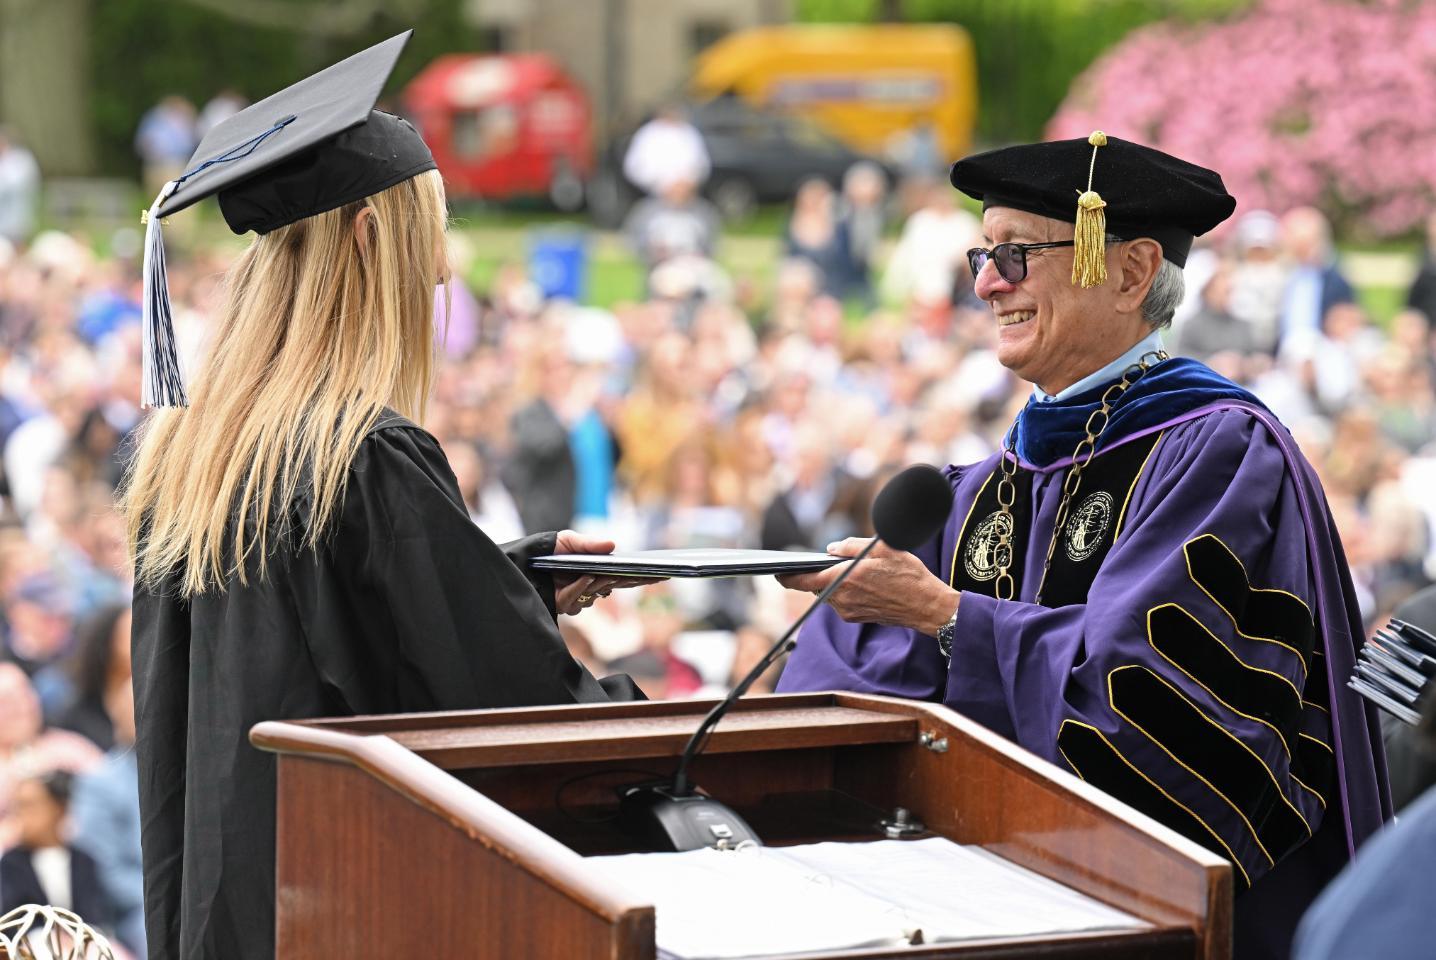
1301 303
1112 371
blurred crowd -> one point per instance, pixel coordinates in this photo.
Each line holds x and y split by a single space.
715 411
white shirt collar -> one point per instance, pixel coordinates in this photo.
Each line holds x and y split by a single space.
1113 370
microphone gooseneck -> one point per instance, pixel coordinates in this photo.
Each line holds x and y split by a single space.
907 513
785 644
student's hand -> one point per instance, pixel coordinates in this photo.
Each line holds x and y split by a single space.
889 586
574 593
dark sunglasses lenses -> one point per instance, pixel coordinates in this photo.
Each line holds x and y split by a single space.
1010 258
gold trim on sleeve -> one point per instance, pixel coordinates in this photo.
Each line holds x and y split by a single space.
1280 736
1298 781
1216 726
1187 555
1215 836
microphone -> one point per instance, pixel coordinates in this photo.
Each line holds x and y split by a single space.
907 513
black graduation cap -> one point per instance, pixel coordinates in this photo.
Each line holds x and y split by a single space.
1104 185
309 148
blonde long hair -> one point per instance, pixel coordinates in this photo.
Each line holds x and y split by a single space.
315 337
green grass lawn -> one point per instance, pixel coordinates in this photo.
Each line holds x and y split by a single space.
614 275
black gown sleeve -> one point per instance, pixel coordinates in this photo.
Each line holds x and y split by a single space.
425 612
160 652
521 551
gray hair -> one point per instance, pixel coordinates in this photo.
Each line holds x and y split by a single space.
1165 296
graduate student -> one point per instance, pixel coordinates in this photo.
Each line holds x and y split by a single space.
1145 587
301 546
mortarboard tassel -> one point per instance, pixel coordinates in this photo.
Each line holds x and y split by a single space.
1089 254
163 382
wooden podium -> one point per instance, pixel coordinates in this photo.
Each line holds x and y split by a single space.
463 834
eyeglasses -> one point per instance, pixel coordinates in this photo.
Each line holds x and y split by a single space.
1010 258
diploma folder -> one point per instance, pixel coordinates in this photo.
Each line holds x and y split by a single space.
1394 668
691 562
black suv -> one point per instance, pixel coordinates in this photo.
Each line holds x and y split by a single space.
757 157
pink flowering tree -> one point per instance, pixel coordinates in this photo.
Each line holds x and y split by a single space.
1329 103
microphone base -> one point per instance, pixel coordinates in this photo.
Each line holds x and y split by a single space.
665 821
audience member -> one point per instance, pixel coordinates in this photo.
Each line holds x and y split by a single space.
666 150
105 813
862 218
42 867
1422 294
27 748
99 668
1315 283
929 265
1215 328
815 234
19 190
1258 280
165 141
539 471
675 222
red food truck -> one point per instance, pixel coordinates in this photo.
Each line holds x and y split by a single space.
504 127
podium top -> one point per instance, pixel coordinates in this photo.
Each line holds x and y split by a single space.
965 782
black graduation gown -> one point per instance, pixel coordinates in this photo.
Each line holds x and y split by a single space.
406 606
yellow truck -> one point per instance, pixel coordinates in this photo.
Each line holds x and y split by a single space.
866 85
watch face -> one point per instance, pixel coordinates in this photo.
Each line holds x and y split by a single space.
944 637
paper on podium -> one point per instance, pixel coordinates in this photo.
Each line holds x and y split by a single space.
956 892
692 562
834 896
747 903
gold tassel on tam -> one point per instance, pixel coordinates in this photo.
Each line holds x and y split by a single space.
1089 254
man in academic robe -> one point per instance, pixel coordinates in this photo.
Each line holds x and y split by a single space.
1145 587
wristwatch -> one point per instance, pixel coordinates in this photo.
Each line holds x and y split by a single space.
945 634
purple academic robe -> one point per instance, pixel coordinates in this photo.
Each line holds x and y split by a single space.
1182 686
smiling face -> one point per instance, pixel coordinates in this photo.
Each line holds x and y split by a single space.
1050 331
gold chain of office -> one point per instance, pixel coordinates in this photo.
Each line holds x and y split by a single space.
1007 488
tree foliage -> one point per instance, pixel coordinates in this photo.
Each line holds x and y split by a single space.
142 51
1330 103
1028 51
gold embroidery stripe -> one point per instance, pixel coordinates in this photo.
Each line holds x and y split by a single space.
1222 543
1187 555
1190 812
1235 808
1297 780
1322 743
1140 470
1216 726
961 534
1308 703
1281 738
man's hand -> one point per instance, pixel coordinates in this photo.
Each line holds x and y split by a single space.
889 586
574 593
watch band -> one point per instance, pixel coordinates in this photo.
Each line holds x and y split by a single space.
945 634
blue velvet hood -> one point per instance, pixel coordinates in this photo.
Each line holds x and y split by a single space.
1047 432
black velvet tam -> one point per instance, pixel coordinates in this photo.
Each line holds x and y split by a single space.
1148 193
309 148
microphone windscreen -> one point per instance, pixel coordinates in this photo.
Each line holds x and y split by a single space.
912 507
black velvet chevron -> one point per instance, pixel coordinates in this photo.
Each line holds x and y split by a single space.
1268 614
1193 649
1178 726
1100 764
